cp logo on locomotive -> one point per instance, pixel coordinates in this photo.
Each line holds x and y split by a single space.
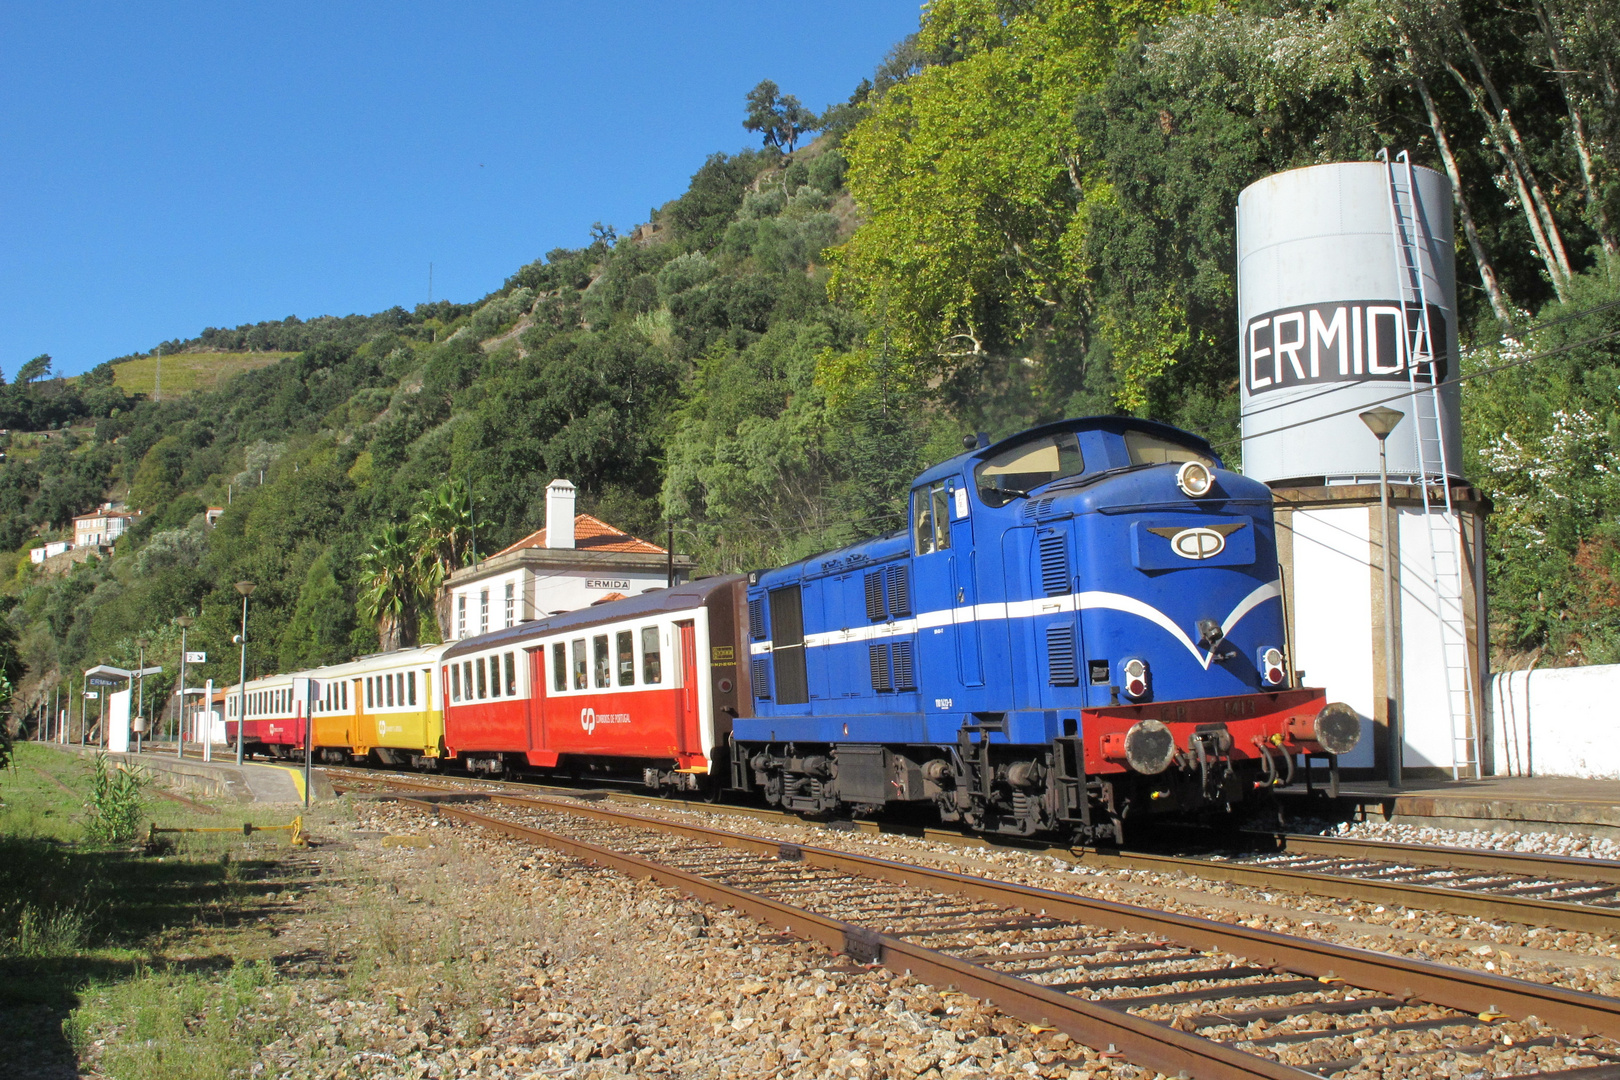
587 720
1200 543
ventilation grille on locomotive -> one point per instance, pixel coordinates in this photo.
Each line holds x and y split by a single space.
1061 667
878 657
1054 549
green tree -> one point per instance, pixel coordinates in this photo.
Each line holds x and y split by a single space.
779 118
389 588
37 368
971 176
443 528
322 622
157 479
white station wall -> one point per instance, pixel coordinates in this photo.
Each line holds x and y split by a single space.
1333 612
1427 731
1556 722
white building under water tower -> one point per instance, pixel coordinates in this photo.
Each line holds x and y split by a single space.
1347 303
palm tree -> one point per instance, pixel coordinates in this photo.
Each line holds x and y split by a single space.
443 528
389 586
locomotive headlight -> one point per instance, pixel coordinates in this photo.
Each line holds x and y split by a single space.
1273 669
1136 679
1195 479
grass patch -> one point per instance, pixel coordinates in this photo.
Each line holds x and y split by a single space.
185 373
82 920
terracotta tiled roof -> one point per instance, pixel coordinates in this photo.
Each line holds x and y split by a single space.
591 534
609 598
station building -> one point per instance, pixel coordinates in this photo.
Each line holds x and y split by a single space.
575 561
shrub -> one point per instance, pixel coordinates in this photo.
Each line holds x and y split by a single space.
116 802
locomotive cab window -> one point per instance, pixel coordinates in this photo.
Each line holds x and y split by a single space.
1022 468
931 518
1148 449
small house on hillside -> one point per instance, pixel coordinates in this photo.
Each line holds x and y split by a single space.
101 528
575 561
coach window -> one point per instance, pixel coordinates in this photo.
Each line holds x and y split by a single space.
389 680
559 667
625 646
581 664
410 686
467 677
483 683
604 672
652 660
511 674
495 675
455 682
345 704
369 705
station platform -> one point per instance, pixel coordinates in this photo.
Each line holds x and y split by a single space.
1553 804
250 782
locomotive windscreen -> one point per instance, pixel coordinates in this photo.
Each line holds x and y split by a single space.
1024 467
1149 449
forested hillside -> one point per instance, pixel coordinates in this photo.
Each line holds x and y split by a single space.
1026 212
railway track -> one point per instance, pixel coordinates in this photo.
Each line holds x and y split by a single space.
1549 891
1165 991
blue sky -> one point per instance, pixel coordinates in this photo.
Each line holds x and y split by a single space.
166 167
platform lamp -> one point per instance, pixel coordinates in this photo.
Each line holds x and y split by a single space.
184 622
140 692
246 589
1381 422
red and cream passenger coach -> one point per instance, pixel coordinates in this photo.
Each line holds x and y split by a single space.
647 685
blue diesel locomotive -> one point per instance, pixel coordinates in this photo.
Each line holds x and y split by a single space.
1082 625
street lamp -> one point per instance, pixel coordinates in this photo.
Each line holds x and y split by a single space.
184 622
246 589
1381 421
140 692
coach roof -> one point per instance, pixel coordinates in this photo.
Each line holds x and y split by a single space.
685 597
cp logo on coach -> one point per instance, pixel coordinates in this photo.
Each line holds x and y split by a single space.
587 720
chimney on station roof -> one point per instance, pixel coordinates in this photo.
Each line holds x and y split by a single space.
559 514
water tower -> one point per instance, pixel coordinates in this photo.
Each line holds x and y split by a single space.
1347 303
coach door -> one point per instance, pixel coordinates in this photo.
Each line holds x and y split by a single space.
535 704
688 721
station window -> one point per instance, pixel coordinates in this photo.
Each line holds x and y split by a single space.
455 682
461 615
511 674
483 611
511 603
604 673
559 666
581 664
652 659
410 686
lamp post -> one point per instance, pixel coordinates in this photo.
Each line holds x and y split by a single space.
1381 421
246 589
140 692
184 623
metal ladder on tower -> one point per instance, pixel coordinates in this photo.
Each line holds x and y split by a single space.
1410 235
